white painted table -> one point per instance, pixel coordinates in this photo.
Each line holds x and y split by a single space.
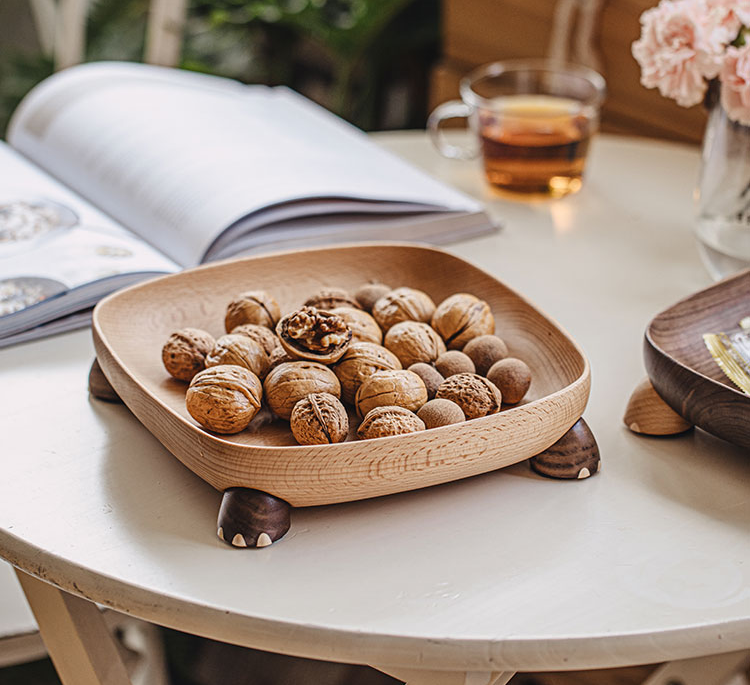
648 561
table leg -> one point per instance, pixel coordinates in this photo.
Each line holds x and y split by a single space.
75 634
718 669
416 677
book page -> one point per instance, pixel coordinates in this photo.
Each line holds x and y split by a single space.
52 242
178 157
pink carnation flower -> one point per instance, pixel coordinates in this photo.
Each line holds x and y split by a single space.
675 53
723 20
735 84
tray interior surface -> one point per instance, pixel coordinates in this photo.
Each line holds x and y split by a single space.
678 331
131 326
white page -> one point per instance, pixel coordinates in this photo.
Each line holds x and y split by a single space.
178 157
77 245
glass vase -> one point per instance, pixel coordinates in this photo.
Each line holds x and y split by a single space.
723 195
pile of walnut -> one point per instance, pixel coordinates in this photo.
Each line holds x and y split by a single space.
403 363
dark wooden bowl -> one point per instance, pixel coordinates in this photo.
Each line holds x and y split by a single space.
681 368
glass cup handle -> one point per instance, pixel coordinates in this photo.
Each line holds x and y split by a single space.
453 109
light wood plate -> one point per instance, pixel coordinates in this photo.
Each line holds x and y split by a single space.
682 370
131 326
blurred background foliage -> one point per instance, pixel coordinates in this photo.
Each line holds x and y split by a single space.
366 60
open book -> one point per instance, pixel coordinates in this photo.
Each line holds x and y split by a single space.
117 171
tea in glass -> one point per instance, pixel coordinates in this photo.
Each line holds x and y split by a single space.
533 121
534 144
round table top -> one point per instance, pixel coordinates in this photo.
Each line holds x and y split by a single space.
647 561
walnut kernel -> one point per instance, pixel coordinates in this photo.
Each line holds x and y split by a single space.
314 334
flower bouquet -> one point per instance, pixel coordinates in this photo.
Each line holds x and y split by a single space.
699 50
684 44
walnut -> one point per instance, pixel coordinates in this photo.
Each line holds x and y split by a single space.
403 304
359 362
364 327
452 362
224 398
287 383
413 341
265 337
473 393
367 295
430 375
388 388
331 298
319 419
512 377
279 356
314 334
484 351
239 350
254 306
440 412
381 422
184 353
462 317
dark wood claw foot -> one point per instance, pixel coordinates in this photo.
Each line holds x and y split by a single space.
251 518
574 455
99 386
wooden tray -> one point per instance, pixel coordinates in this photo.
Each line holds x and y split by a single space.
683 372
131 326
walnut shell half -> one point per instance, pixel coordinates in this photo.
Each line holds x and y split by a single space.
289 382
391 388
319 419
224 398
314 334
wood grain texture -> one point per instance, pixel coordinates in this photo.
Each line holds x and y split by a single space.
574 455
131 326
683 372
648 414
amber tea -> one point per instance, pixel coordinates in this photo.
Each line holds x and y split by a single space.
534 144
